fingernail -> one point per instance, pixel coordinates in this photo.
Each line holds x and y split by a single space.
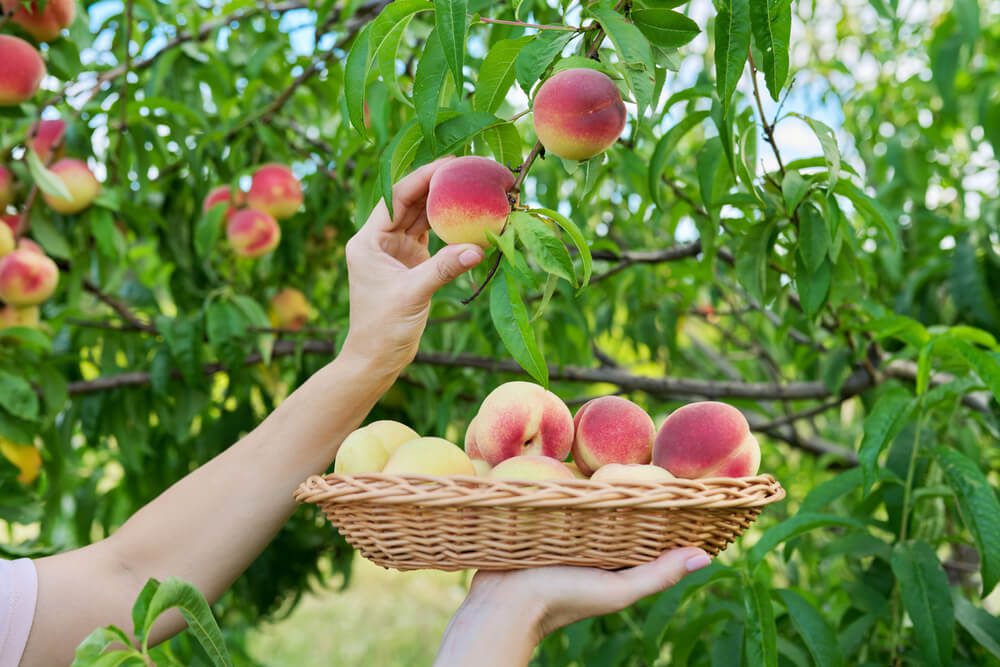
470 258
698 562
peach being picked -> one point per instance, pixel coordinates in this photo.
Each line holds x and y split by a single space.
430 456
368 449
46 138
42 24
21 71
520 418
467 198
631 472
290 310
578 113
612 429
707 439
252 233
80 182
275 190
27 277
6 188
531 468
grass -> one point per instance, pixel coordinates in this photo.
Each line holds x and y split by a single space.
385 618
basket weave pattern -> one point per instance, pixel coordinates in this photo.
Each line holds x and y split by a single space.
410 522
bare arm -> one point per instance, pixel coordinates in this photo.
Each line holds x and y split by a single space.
210 526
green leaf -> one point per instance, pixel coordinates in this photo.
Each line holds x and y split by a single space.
510 317
427 84
983 364
664 152
18 397
732 44
551 282
452 23
576 236
887 417
812 627
631 45
46 181
496 75
799 524
813 285
396 157
982 625
356 71
814 238
544 245
507 243
141 606
793 189
923 587
979 507
49 237
869 207
771 21
208 231
828 142
536 56
760 634
665 28
174 593
93 647
751 260
505 142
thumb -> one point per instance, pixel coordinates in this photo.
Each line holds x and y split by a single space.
664 572
449 263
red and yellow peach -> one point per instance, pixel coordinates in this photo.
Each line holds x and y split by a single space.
7 241
631 472
223 194
11 316
290 310
47 139
521 418
467 198
707 439
12 222
80 182
612 429
578 113
21 70
252 233
6 188
275 190
27 277
42 24
530 467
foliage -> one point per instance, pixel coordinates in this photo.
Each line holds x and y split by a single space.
844 297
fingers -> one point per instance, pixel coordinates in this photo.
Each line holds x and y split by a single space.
408 199
449 263
663 572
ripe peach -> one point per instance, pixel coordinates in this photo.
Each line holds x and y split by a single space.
360 452
290 310
391 435
30 246
7 242
252 233
467 198
612 429
575 469
470 442
482 468
6 188
27 278
19 317
707 439
578 113
45 24
631 472
221 194
275 190
81 183
429 456
531 467
522 418
47 139
12 222
21 71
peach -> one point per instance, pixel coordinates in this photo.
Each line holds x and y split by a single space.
290 310
252 233
80 182
482 468
707 439
360 452
21 71
578 113
612 429
522 418
27 278
45 24
429 456
631 472
27 458
6 188
30 246
19 317
575 469
223 194
12 222
47 138
467 198
531 467
7 243
275 190
391 434
470 442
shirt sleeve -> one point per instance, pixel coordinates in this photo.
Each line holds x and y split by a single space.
18 591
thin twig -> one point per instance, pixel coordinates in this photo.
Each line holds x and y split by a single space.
768 127
486 281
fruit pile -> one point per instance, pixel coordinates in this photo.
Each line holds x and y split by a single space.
524 432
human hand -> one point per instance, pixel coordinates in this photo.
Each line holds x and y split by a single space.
506 614
393 277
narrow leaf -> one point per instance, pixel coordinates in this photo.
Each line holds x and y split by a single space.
771 21
451 23
760 634
174 593
510 317
923 587
536 56
665 28
887 417
427 85
576 236
799 524
982 625
664 152
816 633
496 75
544 245
732 44
814 238
828 142
356 71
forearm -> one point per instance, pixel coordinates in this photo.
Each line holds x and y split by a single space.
490 630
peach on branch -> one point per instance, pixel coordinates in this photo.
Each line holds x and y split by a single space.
631 472
468 198
27 278
11 316
6 188
612 429
520 418
252 233
42 24
79 181
290 310
531 467
429 456
220 195
578 113
12 222
21 70
47 139
275 190
7 242
707 439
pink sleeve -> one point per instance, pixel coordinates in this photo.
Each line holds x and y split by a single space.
18 589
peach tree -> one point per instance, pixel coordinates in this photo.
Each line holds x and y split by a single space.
799 218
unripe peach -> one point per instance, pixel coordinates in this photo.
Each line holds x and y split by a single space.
578 113
531 467
6 188
13 222
45 24
21 70
7 242
612 429
429 456
27 278
27 316
467 198
631 472
707 439
520 418
47 139
80 182
223 194
290 310
252 233
275 190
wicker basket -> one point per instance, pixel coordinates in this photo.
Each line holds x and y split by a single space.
411 522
